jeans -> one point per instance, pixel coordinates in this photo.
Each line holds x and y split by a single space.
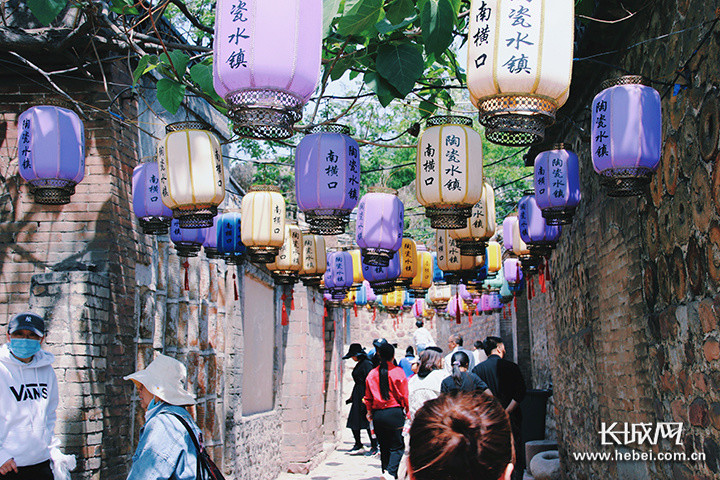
388 428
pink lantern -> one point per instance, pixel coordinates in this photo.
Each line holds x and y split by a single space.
154 217
380 224
51 151
266 62
513 271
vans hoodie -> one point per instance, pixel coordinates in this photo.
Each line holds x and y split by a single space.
28 399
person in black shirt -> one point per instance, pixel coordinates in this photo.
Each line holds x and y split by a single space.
461 380
507 384
357 419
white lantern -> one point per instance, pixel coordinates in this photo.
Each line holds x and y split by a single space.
454 265
480 226
314 259
288 262
263 225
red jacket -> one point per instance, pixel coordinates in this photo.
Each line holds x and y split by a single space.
398 389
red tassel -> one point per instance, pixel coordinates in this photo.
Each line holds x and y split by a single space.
324 312
470 310
235 290
458 310
515 303
292 299
355 309
374 314
284 316
186 265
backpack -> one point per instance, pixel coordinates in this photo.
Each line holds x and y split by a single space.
206 468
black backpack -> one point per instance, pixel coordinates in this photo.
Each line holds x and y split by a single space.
206 468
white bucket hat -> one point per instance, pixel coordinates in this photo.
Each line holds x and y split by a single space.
164 378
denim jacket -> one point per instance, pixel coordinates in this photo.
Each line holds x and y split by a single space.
165 450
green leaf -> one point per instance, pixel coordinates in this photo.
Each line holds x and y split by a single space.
438 20
427 108
399 10
385 92
179 59
361 16
146 63
202 74
170 94
341 67
401 64
384 26
330 11
46 10
124 7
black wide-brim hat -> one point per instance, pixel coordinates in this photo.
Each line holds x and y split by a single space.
354 350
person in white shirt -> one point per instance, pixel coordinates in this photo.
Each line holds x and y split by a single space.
479 354
455 342
422 337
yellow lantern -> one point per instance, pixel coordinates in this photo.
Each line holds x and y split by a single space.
494 257
263 225
449 171
314 259
288 262
519 66
408 262
449 259
423 279
393 301
480 227
357 268
520 248
192 178
349 300
439 295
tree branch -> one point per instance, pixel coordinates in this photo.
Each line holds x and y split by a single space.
183 8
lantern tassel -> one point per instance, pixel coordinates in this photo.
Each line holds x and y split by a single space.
374 314
292 299
458 310
541 278
235 289
515 303
284 315
355 309
186 266
470 312
324 312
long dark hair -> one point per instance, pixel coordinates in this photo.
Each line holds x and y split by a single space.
386 352
429 360
460 437
459 359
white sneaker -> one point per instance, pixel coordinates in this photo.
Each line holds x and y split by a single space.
387 476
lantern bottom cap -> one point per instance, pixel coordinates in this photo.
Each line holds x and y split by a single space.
201 218
383 287
376 257
338 294
311 280
52 191
417 293
334 303
285 278
558 215
232 259
212 253
541 250
471 248
516 120
626 182
327 222
187 250
449 217
264 113
263 254
154 225
401 283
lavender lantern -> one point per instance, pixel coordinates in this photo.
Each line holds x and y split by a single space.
266 62
382 279
486 305
626 135
513 271
211 240
379 227
508 223
154 217
534 231
495 302
51 151
229 238
187 241
557 184
327 178
339 274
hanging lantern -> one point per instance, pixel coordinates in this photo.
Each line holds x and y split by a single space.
423 279
495 302
264 234
51 153
372 298
379 226
266 62
357 267
475 283
408 301
393 301
480 227
513 271
229 238
508 229
505 293
493 255
349 299
338 276
626 135
494 283
439 295
211 240
361 298
383 279
464 293
314 260
187 241
456 267
519 66
327 178
192 177
408 262
534 231
449 171
518 288
557 184
153 216
288 262
419 309
486 305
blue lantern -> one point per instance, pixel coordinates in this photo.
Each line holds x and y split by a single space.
534 230
211 240
229 239
188 241
382 279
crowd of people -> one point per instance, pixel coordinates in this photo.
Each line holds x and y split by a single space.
434 416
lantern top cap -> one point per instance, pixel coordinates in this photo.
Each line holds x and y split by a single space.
624 80
188 125
560 146
53 102
265 188
381 189
449 120
330 128
529 192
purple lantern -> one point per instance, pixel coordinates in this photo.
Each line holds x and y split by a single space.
51 151
508 232
339 274
626 135
557 184
486 305
154 217
512 271
382 279
266 62
495 302
327 178
379 226
534 231
211 240
229 238
187 241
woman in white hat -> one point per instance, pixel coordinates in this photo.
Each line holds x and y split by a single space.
165 449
